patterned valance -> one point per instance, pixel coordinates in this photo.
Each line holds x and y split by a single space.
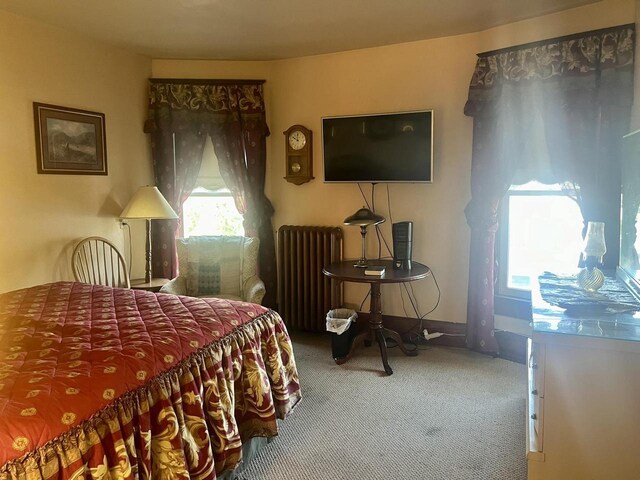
576 55
183 114
553 111
205 102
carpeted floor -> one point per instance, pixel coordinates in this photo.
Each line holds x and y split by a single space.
447 414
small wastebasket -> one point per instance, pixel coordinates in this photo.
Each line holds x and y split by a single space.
340 324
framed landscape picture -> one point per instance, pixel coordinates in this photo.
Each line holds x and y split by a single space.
70 141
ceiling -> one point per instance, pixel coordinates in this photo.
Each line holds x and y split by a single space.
274 29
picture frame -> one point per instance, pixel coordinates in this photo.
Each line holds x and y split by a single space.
69 141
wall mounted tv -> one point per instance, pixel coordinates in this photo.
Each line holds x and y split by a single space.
388 147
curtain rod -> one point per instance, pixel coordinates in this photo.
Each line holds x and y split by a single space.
557 39
207 81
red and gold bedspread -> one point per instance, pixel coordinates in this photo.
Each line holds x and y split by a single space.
98 382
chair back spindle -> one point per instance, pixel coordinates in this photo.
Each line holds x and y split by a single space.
97 261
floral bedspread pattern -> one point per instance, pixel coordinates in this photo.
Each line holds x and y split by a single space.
100 383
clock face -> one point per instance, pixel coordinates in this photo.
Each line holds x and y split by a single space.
297 140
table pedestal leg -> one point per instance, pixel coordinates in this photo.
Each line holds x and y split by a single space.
378 333
383 352
396 337
375 325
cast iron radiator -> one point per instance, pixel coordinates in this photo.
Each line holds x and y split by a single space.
305 295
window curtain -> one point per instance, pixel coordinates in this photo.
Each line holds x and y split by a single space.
182 113
553 111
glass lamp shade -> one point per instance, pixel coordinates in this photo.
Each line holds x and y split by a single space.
594 245
364 217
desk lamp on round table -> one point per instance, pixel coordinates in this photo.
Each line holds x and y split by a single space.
363 218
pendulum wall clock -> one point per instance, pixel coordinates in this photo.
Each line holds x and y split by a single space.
298 155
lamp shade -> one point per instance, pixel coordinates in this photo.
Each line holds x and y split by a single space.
594 243
148 203
364 217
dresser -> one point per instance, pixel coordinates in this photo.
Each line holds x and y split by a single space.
583 402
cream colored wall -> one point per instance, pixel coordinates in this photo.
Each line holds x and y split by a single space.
413 76
428 74
44 215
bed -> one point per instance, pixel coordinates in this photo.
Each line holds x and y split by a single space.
97 382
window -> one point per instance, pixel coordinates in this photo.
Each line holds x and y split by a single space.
540 229
210 209
211 212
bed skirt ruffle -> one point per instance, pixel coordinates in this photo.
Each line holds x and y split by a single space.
188 422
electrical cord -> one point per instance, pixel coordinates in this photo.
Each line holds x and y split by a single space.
130 257
377 227
389 205
364 196
415 339
435 281
365 299
404 308
371 206
412 300
378 231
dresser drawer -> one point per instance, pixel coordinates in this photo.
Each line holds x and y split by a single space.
536 368
535 396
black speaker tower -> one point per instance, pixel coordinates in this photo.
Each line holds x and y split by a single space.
402 244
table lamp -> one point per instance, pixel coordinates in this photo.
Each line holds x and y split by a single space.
363 218
149 204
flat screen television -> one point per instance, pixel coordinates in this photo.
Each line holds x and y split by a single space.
387 147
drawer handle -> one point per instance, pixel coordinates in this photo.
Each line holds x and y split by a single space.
534 416
534 391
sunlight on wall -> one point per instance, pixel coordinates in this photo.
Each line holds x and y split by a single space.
45 215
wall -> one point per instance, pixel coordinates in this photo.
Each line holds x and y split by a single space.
45 215
427 74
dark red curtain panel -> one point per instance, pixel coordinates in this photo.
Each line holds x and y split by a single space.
177 159
553 111
181 115
240 146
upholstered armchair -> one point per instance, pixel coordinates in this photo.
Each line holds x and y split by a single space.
218 266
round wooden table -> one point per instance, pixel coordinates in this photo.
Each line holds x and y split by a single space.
346 272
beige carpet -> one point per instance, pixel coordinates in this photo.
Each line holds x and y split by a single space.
447 414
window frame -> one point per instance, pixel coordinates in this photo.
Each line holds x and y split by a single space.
208 194
506 296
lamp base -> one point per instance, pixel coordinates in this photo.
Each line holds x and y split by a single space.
590 279
362 263
147 268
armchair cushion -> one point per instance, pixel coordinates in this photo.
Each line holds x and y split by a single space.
177 286
218 266
203 278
